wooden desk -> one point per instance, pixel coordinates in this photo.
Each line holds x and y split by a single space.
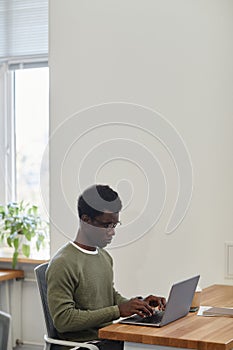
190 332
7 274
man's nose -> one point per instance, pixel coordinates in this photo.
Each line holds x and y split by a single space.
111 231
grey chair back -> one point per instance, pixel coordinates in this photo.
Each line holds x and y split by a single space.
4 329
42 285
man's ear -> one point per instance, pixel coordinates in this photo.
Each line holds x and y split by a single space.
85 218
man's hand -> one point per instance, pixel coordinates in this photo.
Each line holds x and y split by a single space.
135 306
154 301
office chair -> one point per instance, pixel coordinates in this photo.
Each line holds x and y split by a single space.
52 341
5 320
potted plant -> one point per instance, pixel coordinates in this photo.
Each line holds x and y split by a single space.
22 228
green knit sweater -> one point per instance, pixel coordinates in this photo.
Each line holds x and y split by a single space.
81 295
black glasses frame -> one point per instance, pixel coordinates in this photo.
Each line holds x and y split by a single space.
107 226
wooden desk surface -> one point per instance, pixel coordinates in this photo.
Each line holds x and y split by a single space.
190 332
7 274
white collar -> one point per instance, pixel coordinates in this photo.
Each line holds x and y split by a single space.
91 252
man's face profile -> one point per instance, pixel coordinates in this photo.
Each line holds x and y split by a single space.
100 230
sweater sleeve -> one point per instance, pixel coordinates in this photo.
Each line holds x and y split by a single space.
66 317
118 298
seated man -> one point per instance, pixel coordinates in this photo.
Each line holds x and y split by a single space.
81 293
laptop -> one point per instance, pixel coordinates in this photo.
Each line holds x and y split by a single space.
178 305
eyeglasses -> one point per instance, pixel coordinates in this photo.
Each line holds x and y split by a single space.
109 225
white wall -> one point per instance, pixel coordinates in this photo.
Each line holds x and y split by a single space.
174 57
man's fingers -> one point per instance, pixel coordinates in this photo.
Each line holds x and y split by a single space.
162 303
135 306
144 308
156 301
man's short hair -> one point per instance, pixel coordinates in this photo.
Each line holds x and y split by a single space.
97 199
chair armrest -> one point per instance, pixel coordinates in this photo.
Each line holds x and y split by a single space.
85 345
75 345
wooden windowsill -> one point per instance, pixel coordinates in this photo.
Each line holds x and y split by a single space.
25 260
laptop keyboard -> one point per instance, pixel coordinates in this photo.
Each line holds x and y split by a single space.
156 318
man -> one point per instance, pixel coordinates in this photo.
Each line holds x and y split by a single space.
81 294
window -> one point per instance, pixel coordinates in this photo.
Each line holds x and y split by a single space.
24 136
31 101
24 132
24 117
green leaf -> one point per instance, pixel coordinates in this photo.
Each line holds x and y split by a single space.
35 210
15 259
21 206
40 240
38 244
8 223
9 241
41 237
13 208
16 243
2 212
18 227
26 250
27 234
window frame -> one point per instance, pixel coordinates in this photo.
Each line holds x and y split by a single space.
7 123
7 181
8 143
